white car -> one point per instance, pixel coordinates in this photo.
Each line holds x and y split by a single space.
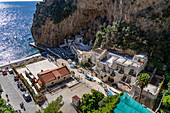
79 70
10 71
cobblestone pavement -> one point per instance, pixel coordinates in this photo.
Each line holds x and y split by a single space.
15 95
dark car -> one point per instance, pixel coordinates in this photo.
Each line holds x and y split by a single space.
18 84
27 97
4 72
16 78
10 71
106 90
115 85
22 88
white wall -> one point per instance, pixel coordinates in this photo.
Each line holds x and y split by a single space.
57 80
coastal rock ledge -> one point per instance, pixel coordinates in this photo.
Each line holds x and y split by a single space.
54 20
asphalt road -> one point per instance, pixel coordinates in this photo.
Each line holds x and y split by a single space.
15 95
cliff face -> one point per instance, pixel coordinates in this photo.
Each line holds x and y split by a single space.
52 22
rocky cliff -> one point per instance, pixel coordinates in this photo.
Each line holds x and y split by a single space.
56 19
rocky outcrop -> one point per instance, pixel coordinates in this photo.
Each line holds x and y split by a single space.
151 16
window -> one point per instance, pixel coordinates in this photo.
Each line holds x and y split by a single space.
124 78
132 72
128 80
101 77
113 74
52 83
117 68
59 77
121 71
64 78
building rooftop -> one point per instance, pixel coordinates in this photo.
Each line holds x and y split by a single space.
76 98
128 105
122 60
37 67
97 50
84 52
50 75
151 88
82 47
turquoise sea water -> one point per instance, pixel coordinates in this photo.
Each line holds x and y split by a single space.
16 20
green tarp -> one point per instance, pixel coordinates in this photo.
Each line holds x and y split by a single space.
128 105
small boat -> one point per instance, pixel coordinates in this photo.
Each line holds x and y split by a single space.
29 37
15 37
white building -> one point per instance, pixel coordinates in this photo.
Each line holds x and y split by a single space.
54 76
81 51
149 93
117 68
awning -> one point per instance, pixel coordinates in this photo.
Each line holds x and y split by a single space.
109 93
71 66
88 77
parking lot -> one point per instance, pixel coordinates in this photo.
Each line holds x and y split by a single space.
15 94
67 94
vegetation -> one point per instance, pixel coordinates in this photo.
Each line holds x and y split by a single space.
53 107
1 90
143 81
87 64
123 36
4 108
96 103
57 11
166 101
39 99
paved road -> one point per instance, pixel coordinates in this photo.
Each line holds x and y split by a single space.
15 95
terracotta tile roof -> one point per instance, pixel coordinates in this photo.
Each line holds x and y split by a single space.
50 75
63 71
98 50
76 98
39 82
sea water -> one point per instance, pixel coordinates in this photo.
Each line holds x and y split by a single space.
15 20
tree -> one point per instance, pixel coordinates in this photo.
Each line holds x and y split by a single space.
166 101
143 81
53 107
4 108
90 101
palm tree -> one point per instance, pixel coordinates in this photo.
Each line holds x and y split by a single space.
143 81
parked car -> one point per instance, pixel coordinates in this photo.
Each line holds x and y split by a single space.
115 85
106 90
16 78
80 70
22 88
18 84
10 71
27 97
4 72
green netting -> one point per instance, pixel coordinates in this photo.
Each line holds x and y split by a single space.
128 105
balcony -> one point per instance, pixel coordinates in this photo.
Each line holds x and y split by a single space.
123 78
121 71
103 70
112 75
132 74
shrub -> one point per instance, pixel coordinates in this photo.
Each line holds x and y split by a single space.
1 90
166 101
